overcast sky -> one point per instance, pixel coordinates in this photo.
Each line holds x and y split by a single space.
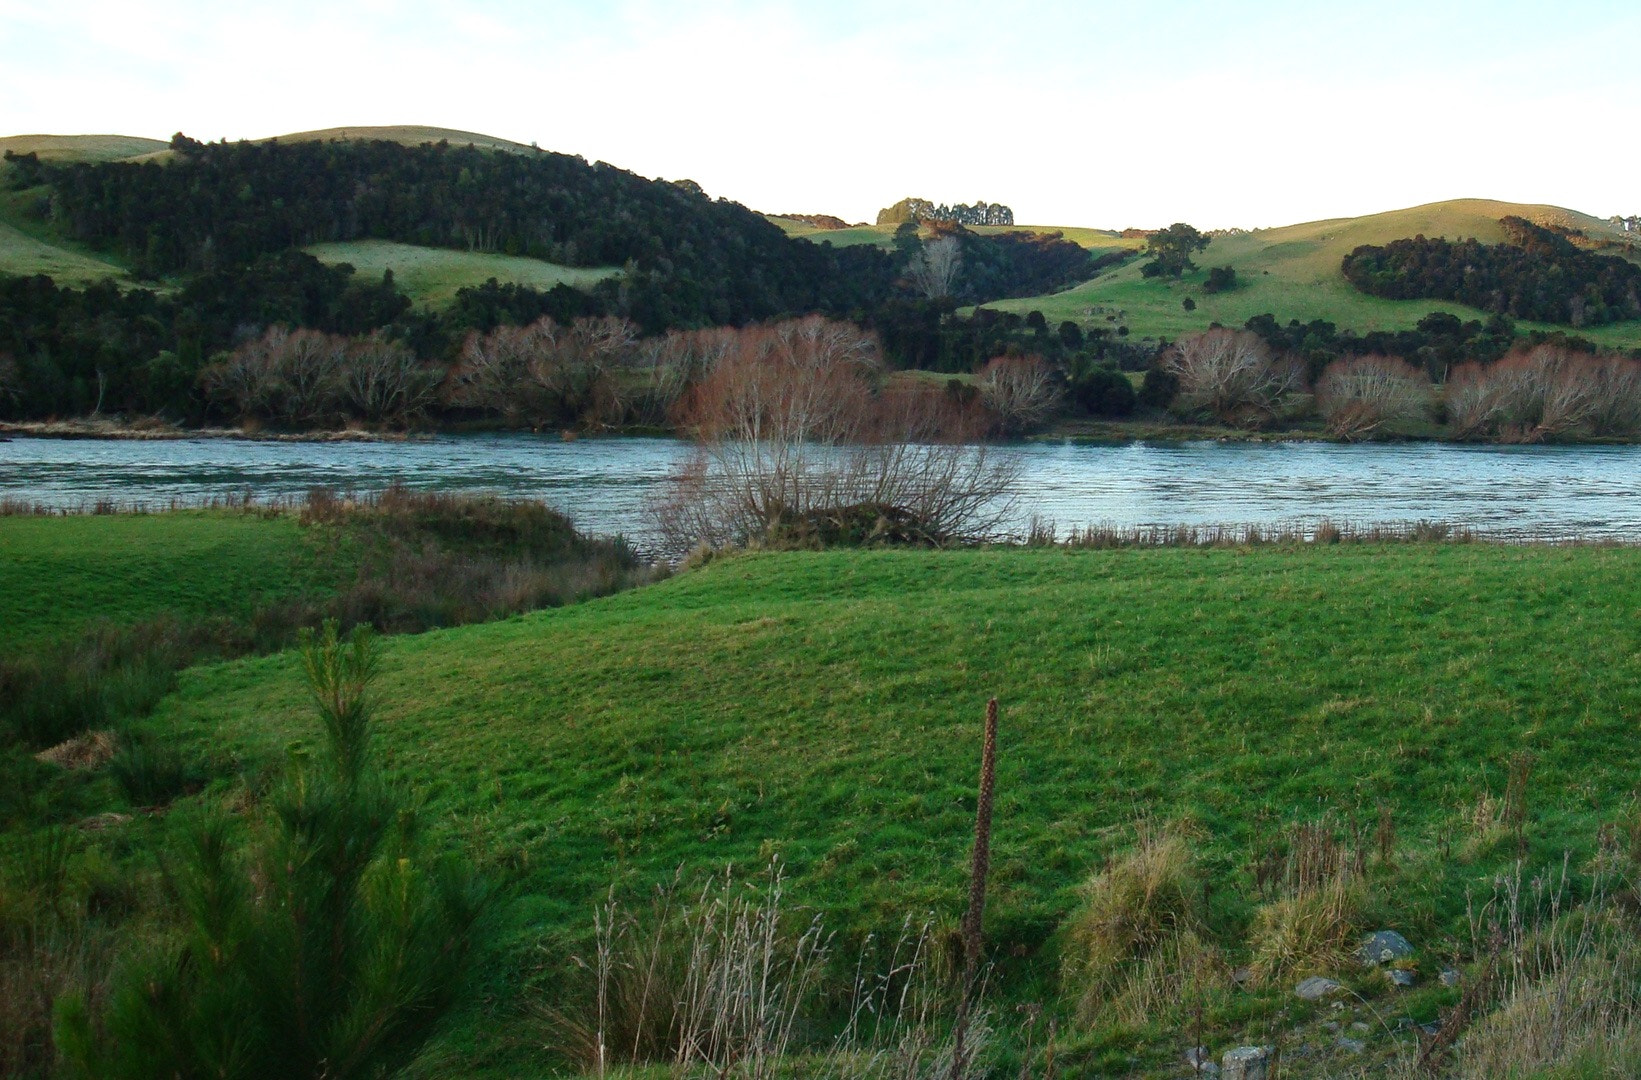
1085 113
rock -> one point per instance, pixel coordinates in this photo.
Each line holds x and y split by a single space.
1383 947
1316 988
1331 1027
1430 1028
1360 1028
1242 976
1246 1063
1449 977
1400 977
1354 1046
110 819
1201 1061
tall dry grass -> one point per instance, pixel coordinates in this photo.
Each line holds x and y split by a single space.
731 982
1137 946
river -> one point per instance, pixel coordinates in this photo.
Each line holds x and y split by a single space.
605 485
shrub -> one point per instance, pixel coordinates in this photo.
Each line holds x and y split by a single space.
1104 392
328 947
1361 395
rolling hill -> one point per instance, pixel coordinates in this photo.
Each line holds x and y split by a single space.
1293 273
62 148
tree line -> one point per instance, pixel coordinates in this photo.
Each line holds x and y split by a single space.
1539 274
923 212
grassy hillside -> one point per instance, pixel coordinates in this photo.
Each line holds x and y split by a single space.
81 147
1293 273
432 276
58 574
24 255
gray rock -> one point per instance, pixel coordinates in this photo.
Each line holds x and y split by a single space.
1316 988
1331 1027
1430 1028
1360 1028
1354 1046
1246 1063
1242 976
1401 977
1383 947
1197 1057
1449 977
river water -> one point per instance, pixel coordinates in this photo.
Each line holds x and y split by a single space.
605 485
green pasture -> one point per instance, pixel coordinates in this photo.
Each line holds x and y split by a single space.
432 276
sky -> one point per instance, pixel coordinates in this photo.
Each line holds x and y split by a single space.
1102 114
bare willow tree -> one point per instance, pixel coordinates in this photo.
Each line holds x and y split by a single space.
934 266
1359 396
382 380
545 371
796 438
284 376
1546 392
673 363
1232 374
1022 392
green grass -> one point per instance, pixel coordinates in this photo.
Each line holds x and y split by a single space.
808 705
1293 273
432 276
60 574
825 707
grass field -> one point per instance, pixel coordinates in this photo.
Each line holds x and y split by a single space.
58 574
825 708
432 276
1293 273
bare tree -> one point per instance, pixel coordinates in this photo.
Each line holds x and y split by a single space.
288 376
795 438
933 267
493 369
1023 392
1549 391
1232 374
545 371
1361 395
671 365
383 381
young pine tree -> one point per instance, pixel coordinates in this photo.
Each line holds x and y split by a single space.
323 944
